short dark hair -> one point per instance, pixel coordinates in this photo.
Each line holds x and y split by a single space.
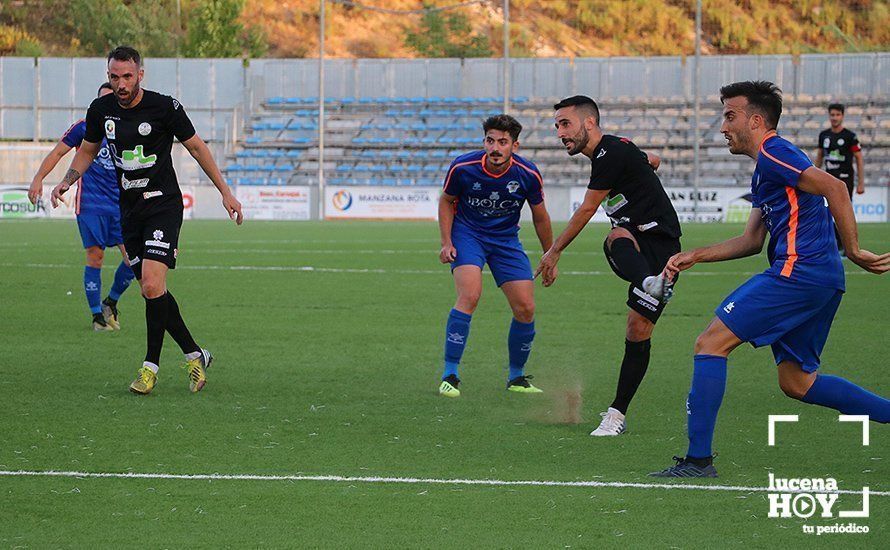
104 86
765 96
836 107
504 123
125 53
580 101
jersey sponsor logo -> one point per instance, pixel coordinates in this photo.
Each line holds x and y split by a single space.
494 206
109 129
134 260
601 154
513 186
133 184
157 235
613 204
647 226
646 300
144 129
155 252
826 143
149 194
136 159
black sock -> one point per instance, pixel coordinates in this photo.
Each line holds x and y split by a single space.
109 302
177 329
700 462
633 369
155 320
629 260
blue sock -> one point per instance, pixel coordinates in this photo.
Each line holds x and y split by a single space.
122 279
519 344
837 393
92 286
456 332
705 396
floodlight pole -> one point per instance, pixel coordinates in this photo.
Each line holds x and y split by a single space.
696 92
321 201
506 56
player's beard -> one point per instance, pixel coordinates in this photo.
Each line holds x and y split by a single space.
130 97
737 144
579 141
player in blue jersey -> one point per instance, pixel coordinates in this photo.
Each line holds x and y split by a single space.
98 219
791 305
479 223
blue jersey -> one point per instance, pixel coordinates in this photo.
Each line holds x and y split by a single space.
802 246
491 203
98 190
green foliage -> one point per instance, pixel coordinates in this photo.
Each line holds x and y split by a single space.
15 41
101 25
215 31
447 34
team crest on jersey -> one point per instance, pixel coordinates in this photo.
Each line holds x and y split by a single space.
477 186
495 196
840 141
513 186
158 234
109 129
144 129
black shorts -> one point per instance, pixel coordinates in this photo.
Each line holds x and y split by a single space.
657 249
155 237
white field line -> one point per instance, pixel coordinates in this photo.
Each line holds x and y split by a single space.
402 480
371 270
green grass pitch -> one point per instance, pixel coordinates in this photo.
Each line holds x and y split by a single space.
333 370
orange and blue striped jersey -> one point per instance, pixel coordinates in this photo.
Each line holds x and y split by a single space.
491 203
802 246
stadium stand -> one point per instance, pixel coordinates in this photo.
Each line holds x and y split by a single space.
411 140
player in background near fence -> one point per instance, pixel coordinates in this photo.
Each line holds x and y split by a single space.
479 223
98 219
792 304
838 147
139 126
645 233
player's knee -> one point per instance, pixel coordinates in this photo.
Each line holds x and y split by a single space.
152 288
95 256
619 233
702 343
468 300
524 312
793 388
639 329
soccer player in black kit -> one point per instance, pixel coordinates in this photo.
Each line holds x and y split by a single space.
139 126
645 234
838 147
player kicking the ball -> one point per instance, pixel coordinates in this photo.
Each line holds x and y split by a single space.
479 223
791 305
139 127
645 233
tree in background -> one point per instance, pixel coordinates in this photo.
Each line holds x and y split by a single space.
214 30
448 34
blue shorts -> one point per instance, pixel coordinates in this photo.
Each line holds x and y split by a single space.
793 318
504 255
100 230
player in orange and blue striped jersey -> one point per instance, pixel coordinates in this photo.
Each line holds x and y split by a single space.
792 304
479 223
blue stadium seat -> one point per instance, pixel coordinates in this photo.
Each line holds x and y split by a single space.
343 168
364 100
375 140
519 99
428 140
368 154
256 126
253 140
408 113
359 140
385 154
361 168
347 100
417 99
276 153
293 153
392 140
418 126
413 168
275 100
439 153
426 113
403 154
285 168
392 112
243 153
399 99
302 140
293 100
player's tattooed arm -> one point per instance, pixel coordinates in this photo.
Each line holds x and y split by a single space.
85 155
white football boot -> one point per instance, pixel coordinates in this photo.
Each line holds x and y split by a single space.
611 425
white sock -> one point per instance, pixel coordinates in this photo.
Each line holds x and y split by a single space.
152 366
192 355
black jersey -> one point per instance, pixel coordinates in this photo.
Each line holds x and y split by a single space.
140 140
837 149
637 199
